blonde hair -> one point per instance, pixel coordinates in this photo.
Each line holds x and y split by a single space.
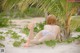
51 20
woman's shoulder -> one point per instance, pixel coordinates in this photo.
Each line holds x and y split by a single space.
52 25
46 25
58 27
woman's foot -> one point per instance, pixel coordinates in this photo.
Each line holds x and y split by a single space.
31 26
27 43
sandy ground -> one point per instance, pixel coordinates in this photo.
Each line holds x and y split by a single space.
59 48
70 48
23 22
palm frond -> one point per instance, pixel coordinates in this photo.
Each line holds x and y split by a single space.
9 4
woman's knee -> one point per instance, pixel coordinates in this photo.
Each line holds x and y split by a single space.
42 39
46 38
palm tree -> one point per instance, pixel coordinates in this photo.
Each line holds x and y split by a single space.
79 11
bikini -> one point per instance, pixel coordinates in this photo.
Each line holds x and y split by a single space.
46 32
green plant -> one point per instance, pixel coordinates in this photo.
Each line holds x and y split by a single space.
39 27
23 40
4 22
72 39
17 44
78 29
75 25
25 30
2 45
14 35
9 32
34 12
1 32
51 43
69 40
2 37
78 38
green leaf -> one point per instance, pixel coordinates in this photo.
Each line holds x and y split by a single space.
51 43
2 37
17 44
2 45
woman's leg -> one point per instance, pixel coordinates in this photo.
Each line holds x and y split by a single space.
59 37
43 36
30 37
31 34
37 37
46 38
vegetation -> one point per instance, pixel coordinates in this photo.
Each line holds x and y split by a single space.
39 27
25 30
52 43
2 37
23 40
1 32
2 45
9 32
78 29
14 35
34 12
17 44
4 22
75 24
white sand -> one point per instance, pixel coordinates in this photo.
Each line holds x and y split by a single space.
37 49
59 48
23 22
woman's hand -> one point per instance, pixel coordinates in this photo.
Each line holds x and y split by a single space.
31 26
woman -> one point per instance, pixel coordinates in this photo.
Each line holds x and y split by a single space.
50 32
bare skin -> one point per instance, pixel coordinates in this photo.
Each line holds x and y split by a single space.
39 37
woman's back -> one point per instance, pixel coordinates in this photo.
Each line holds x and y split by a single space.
52 28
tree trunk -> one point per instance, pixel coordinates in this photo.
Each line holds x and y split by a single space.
67 23
67 28
79 11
